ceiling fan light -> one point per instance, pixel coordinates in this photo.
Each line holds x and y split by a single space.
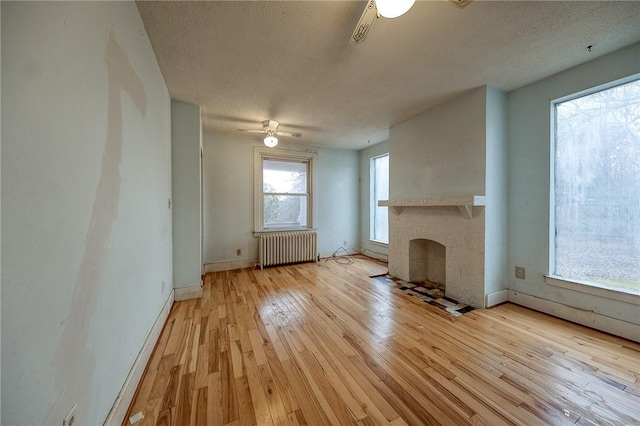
393 8
271 141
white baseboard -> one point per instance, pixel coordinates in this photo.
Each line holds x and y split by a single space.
378 255
122 402
587 318
187 293
232 264
496 298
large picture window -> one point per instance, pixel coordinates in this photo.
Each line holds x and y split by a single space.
379 191
595 214
283 190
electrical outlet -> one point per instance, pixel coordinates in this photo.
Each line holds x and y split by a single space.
71 417
163 285
238 252
520 272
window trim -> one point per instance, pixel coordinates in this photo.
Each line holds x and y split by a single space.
595 289
575 284
263 153
372 202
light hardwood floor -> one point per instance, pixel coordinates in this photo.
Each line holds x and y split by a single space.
325 344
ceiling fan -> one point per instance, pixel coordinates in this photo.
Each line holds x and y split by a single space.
385 8
270 128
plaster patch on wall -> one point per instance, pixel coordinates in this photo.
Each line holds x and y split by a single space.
74 361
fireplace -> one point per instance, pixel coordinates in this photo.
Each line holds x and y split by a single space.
427 263
440 239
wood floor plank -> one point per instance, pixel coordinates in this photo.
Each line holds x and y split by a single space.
272 393
215 414
185 400
296 418
246 409
171 391
261 411
310 406
360 389
199 408
228 389
334 378
323 343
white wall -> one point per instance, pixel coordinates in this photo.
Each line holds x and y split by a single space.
495 243
370 248
86 175
228 198
440 152
0 237
186 143
529 182
337 195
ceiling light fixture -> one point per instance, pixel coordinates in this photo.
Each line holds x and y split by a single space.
271 141
394 8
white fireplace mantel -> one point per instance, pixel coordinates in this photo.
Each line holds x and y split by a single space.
465 203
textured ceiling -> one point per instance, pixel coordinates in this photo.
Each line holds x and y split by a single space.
291 61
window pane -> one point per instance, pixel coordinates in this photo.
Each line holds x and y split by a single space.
284 211
380 191
284 177
597 188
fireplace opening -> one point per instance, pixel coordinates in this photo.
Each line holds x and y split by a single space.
427 263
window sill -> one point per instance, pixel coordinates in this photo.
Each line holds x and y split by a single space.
379 243
627 296
267 231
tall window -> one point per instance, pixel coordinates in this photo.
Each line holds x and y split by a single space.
596 188
283 190
379 191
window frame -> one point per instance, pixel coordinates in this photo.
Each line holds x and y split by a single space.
372 200
575 284
263 153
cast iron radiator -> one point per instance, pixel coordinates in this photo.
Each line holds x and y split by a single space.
281 248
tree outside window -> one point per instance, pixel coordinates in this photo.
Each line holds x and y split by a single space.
597 188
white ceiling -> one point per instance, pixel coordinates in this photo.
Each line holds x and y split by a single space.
291 61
